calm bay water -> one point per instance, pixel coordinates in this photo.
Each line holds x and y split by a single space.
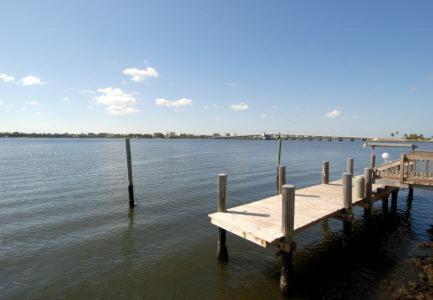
66 230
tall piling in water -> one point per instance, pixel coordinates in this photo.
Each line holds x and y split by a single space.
129 165
222 253
287 228
278 165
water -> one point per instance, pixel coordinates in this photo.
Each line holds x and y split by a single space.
66 231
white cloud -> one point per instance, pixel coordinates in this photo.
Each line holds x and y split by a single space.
274 107
412 88
90 92
1 103
38 113
138 75
233 84
117 101
6 78
263 116
239 107
182 102
33 103
65 99
31 80
335 114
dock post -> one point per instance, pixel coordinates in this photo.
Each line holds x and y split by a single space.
350 166
278 164
281 178
222 253
129 165
373 158
384 197
410 194
325 172
359 186
394 197
287 228
367 192
347 200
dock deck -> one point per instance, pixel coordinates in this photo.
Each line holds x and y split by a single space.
260 221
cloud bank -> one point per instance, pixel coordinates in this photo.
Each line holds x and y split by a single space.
335 114
31 80
6 78
117 102
182 102
138 75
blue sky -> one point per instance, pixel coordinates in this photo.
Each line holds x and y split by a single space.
322 67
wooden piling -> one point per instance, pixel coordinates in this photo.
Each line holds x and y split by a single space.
287 228
222 253
359 186
325 172
394 197
129 165
347 192
281 178
373 158
278 165
347 201
385 203
350 165
410 194
368 203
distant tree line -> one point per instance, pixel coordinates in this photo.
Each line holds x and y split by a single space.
412 136
103 135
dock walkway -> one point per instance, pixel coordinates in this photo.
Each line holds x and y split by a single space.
260 222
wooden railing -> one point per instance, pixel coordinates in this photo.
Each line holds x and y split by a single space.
414 168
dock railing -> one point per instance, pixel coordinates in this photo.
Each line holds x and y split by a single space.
415 168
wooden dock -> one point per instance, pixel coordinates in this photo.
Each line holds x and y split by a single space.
274 221
260 222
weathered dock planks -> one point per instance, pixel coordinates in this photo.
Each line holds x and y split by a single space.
260 221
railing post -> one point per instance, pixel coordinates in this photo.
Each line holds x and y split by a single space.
325 172
287 228
402 161
350 165
281 178
222 253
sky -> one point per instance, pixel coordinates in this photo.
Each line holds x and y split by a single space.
303 67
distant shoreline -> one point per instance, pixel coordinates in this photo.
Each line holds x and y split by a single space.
150 137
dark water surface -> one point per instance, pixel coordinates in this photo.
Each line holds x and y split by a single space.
66 231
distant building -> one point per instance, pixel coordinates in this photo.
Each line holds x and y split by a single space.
170 134
158 135
265 136
227 134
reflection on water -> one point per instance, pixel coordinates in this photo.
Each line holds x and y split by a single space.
66 231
